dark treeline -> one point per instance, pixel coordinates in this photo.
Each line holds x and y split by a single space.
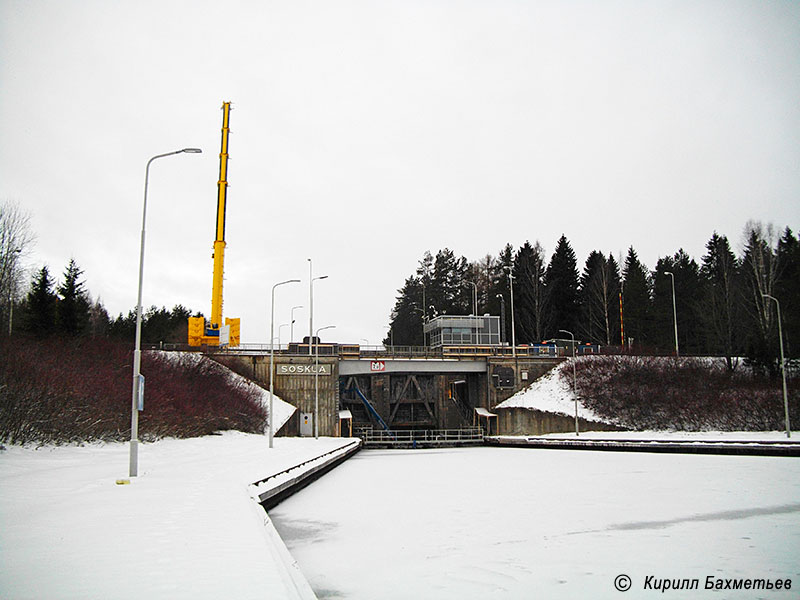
66 309
720 303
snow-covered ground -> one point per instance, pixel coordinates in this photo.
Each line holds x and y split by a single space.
187 527
520 523
461 523
550 393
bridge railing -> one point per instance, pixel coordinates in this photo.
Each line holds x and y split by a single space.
426 436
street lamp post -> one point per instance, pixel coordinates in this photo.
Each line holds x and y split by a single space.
137 351
311 280
291 328
316 380
674 312
574 378
513 333
783 365
272 354
281 326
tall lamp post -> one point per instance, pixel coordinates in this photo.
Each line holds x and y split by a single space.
674 312
291 328
311 280
513 333
574 378
280 327
137 352
783 365
316 380
272 354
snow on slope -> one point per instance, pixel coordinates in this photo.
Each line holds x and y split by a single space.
283 410
551 393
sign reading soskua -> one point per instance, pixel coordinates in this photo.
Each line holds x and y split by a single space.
302 369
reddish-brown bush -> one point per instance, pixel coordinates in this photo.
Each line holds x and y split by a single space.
688 394
56 391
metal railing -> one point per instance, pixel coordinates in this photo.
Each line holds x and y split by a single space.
369 352
426 436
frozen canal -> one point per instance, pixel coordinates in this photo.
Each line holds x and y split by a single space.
521 523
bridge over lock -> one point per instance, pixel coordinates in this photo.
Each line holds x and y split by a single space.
391 389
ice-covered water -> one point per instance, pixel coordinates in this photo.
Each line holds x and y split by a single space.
522 523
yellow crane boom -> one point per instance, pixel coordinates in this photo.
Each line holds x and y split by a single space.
200 332
219 241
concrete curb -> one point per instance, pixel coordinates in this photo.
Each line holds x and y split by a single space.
318 467
737 448
294 580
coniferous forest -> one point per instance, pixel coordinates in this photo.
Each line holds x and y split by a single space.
721 302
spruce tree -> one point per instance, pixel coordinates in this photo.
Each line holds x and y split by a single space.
599 299
499 288
72 313
529 294
688 294
561 289
787 291
720 296
406 318
760 270
635 300
40 306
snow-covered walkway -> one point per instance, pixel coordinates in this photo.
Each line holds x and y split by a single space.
187 527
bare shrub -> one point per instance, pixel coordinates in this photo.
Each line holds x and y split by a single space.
57 391
686 394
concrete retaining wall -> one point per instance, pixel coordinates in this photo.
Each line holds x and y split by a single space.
526 421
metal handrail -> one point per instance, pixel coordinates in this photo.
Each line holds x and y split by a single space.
423 435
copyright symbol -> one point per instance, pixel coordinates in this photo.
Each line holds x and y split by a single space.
622 583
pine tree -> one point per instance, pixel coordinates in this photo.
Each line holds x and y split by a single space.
40 306
72 312
561 288
449 295
635 300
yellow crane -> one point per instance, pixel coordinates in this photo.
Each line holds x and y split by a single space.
213 333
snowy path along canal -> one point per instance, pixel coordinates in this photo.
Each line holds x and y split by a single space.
520 523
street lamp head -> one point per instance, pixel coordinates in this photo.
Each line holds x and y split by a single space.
192 150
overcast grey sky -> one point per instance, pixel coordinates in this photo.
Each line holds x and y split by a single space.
367 132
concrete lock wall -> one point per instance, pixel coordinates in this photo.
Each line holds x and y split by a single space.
525 421
294 382
514 375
